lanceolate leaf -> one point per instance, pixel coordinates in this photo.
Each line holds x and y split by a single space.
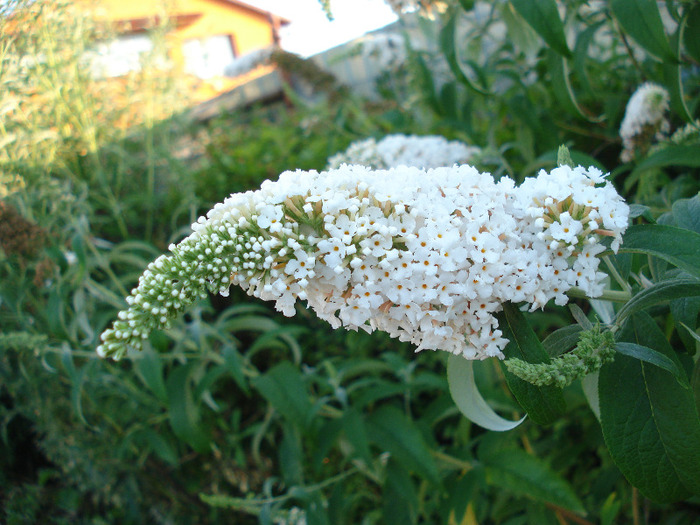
648 355
543 16
283 388
676 245
671 155
641 19
659 293
543 404
561 86
517 471
392 432
649 421
691 32
562 340
466 395
447 43
150 370
685 316
673 80
184 411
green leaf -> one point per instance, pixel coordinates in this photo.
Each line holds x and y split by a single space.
523 37
693 334
77 378
290 456
234 363
678 246
514 470
282 386
673 80
686 213
543 404
159 445
691 32
562 340
649 421
466 395
447 45
580 317
639 210
543 16
393 432
356 433
583 41
685 316
399 496
642 21
184 411
561 86
670 155
658 293
695 384
149 369
646 354
467 5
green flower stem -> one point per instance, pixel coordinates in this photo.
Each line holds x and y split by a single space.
616 275
616 296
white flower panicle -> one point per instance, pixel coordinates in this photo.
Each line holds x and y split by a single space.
427 256
644 120
392 151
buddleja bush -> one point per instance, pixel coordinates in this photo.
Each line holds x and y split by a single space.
441 258
285 421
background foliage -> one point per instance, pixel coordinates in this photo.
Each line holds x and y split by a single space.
238 414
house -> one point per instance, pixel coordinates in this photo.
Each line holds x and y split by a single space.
204 37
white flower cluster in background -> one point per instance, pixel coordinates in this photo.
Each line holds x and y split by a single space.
388 50
392 151
403 6
427 256
688 135
644 120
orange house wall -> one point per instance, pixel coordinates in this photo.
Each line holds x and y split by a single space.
250 30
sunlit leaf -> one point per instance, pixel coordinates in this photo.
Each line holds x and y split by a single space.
466 395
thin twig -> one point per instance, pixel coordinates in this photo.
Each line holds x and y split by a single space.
635 506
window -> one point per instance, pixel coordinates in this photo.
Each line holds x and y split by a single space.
120 56
208 57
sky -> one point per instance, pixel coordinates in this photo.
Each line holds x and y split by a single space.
310 31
